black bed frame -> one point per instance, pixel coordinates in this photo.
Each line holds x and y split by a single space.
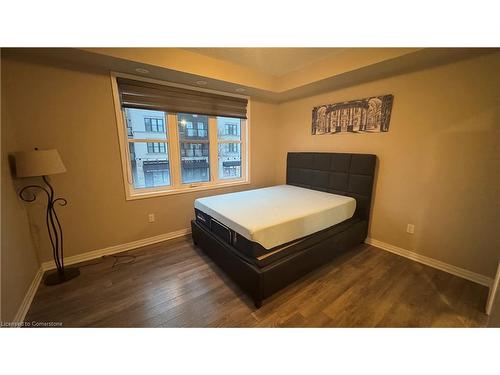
339 173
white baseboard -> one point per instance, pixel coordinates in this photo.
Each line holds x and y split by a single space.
454 270
50 265
493 291
28 298
46 266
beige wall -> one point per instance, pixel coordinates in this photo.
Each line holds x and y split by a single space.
72 110
438 164
19 262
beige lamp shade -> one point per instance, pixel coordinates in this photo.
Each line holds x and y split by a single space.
38 163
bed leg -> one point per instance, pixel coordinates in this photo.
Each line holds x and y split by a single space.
257 303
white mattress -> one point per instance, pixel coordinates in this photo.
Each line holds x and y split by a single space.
279 214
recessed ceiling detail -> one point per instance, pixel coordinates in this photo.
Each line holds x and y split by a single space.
274 61
310 70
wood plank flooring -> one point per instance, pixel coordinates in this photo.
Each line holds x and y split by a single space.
173 284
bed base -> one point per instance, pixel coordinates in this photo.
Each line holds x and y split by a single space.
260 283
338 173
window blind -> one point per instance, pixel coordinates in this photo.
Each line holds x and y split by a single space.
146 95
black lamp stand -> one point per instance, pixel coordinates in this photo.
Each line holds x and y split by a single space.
55 233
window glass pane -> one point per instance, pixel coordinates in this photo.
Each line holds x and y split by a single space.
194 148
149 169
229 129
145 124
195 165
229 160
192 127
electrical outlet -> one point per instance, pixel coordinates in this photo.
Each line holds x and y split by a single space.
410 228
151 218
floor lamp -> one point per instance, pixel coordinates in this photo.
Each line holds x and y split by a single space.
42 163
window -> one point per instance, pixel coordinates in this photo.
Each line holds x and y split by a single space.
130 131
154 125
172 150
231 129
156 148
156 173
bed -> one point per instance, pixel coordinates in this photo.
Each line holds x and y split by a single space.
265 239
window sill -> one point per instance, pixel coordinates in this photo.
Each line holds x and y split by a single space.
183 190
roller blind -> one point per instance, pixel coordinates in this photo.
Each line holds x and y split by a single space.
146 95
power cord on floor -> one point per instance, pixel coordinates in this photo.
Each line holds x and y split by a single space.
116 261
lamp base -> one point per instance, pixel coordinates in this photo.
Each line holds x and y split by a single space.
59 278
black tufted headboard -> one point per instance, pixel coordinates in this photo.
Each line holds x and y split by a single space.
344 174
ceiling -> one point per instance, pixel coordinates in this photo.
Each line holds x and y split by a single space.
274 61
322 70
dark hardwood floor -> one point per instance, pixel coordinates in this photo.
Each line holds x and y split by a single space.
174 285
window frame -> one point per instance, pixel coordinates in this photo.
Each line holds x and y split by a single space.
171 127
